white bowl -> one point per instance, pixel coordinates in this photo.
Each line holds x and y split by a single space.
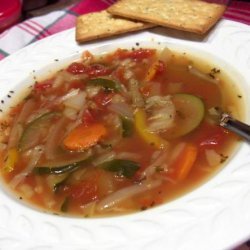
216 215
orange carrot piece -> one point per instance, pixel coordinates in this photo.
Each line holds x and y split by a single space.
83 137
152 71
184 162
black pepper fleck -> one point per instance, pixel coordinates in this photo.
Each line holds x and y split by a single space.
239 96
137 44
211 75
152 204
2 101
223 158
20 198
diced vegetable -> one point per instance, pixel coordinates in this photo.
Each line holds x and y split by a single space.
41 86
107 84
11 160
76 68
82 137
32 132
125 193
55 181
21 117
135 93
141 127
60 169
64 166
162 113
121 108
92 70
156 67
183 163
54 135
57 170
165 55
190 111
123 167
136 55
103 98
127 127
87 117
76 101
84 192
213 137
97 69
213 158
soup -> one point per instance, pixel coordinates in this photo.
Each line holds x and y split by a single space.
117 133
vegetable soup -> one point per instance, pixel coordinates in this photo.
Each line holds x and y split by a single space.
118 133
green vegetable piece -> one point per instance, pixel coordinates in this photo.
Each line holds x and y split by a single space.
126 168
31 134
105 83
127 127
56 181
190 111
58 170
61 169
65 205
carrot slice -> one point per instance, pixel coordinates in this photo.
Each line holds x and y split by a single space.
156 67
184 162
83 137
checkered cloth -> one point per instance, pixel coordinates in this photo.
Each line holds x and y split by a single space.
40 27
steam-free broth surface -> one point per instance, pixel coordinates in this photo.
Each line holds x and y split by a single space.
118 133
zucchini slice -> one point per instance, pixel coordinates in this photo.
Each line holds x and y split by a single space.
59 167
190 111
107 84
34 129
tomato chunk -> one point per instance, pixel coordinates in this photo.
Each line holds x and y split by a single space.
88 117
103 98
212 137
84 192
41 86
92 70
76 68
136 55
95 70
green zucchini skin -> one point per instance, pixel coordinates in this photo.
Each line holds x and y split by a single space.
192 110
34 128
69 168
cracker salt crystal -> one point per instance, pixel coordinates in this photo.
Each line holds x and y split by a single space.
188 15
102 24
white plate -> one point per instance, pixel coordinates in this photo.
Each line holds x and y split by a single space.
214 216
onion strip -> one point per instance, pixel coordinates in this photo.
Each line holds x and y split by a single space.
35 155
125 193
15 134
122 109
53 139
